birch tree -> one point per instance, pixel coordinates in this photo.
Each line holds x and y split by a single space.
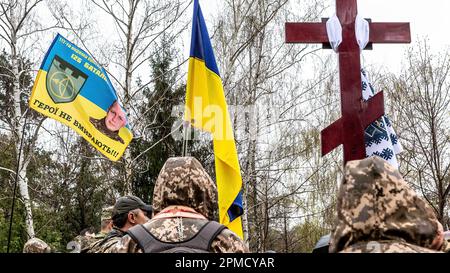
420 104
259 72
18 26
139 26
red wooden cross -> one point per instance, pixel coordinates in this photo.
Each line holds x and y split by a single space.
356 114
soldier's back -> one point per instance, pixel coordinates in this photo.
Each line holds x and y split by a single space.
175 230
105 244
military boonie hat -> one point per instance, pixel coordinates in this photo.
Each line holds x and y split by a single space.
107 213
128 203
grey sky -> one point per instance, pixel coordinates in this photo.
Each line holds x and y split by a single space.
427 19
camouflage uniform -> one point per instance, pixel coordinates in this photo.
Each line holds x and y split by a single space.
100 125
105 245
184 187
379 212
106 215
36 245
445 247
84 241
98 238
123 205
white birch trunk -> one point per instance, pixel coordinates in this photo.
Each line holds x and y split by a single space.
127 100
18 124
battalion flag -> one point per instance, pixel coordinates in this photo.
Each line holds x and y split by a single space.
71 88
206 109
380 137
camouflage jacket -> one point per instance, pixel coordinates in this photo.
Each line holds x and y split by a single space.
378 212
101 235
105 244
84 242
184 199
179 229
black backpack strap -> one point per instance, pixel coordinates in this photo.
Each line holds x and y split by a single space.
113 233
142 237
204 238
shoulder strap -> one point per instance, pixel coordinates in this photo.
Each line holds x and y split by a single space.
142 237
202 240
113 233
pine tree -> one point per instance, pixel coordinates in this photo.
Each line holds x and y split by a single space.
160 98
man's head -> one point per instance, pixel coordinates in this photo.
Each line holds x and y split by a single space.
106 219
183 181
115 118
36 245
129 211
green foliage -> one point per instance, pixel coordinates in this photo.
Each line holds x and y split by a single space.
67 197
18 236
72 197
306 235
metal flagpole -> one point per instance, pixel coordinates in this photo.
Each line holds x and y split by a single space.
186 136
15 183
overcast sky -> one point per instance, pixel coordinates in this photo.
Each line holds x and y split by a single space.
427 18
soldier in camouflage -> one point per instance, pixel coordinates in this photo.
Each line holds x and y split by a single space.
379 212
184 201
36 245
446 246
127 212
106 223
106 226
85 239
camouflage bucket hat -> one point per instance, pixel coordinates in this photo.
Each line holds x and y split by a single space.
107 213
375 203
184 181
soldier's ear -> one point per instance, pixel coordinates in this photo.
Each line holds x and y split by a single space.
131 217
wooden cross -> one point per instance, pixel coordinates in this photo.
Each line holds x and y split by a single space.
356 114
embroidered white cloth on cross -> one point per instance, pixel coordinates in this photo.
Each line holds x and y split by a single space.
380 137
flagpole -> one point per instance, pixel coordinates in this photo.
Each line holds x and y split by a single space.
186 135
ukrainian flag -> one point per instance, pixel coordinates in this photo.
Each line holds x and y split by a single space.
206 109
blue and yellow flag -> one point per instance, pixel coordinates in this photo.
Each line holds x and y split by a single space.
206 109
71 88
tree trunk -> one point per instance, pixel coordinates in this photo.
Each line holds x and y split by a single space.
128 172
245 217
18 129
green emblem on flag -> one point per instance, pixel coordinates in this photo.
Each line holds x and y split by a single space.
64 81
